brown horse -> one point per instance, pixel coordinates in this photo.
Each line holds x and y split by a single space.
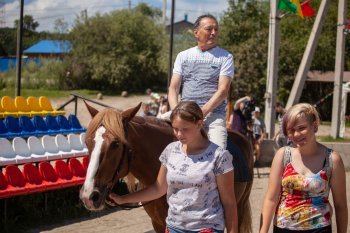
121 144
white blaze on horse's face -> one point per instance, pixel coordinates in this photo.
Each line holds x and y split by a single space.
88 186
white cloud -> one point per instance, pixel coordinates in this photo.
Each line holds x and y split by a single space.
47 11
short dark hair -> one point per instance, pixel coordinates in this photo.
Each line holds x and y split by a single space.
279 104
197 23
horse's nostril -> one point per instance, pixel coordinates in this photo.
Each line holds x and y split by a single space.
95 195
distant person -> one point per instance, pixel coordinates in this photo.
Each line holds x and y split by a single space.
197 177
258 127
301 178
237 120
280 138
204 74
163 106
146 109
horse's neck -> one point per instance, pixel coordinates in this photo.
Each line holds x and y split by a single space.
147 141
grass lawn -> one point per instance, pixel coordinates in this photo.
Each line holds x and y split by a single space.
49 93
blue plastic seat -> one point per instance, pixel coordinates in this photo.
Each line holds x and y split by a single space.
13 126
64 124
52 125
4 133
40 124
76 124
28 127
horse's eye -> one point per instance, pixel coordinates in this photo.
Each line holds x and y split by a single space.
114 145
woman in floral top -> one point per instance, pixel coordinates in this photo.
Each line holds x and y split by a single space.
301 178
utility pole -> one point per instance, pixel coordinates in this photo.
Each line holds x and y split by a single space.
129 5
272 70
339 69
308 54
170 64
164 12
19 49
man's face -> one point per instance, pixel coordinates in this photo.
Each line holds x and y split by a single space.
207 33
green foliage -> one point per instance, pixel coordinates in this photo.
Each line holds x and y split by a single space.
244 32
118 51
28 23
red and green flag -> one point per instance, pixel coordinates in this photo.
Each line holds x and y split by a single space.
294 6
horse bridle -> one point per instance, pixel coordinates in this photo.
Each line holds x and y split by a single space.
126 154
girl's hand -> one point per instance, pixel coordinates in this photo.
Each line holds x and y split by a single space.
114 199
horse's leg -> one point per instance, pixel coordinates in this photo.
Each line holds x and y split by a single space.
243 209
158 210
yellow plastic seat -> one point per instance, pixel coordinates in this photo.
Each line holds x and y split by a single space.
8 105
23 107
45 104
34 106
1 111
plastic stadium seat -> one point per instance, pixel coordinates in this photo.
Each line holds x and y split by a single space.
34 106
34 180
82 139
7 154
4 133
28 127
64 147
86 163
64 124
23 107
76 124
12 125
53 125
37 150
65 174
1 111
40 124
50 147
22 151
77 170
3 186
45 104
16 181
75 143
49 175
8 105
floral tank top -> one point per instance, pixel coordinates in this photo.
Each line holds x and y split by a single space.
303 203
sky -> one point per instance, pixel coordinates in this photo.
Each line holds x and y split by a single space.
47 11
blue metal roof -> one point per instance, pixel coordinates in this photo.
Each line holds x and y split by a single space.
50 46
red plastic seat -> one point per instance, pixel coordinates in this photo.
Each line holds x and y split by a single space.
16 181
65 174
86 161
32 175
49 175
3 186
77 170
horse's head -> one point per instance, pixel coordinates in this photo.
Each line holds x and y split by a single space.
106 140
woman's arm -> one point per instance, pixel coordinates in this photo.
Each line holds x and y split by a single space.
225 185
338 187
273 191
156 190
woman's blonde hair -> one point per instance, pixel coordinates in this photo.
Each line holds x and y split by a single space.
300 111
189 111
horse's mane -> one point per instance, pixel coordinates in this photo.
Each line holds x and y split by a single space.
150 121
112 120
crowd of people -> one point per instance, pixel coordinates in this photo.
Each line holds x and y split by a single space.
196 172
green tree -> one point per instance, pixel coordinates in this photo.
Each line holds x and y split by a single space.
244 32
28 23
118 51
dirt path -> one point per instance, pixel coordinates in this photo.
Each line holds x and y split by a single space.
136 220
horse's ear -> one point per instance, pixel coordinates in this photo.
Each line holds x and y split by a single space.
93 111
131 112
